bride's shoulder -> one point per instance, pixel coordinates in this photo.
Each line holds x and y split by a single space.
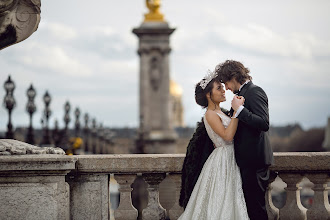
211 115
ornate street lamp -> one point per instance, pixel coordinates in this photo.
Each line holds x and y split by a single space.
77 123
94 135
86 136
47 112
67 119
140 142
56 134
9 103
30 108
100 135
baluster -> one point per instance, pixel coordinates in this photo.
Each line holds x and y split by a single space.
125 210
176 210
293 209
320 208
272 211
154 209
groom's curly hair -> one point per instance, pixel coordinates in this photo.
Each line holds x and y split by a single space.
232 69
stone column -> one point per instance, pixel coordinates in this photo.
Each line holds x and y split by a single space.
154 50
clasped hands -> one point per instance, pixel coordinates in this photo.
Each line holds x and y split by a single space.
237 102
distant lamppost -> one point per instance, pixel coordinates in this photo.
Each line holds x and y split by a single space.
56 135
47 112
140 142
67 120
94 135
30 108
9 103
100 135
86 136
77 123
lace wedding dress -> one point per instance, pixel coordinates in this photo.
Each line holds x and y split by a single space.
218 193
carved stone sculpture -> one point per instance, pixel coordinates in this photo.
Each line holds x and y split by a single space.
13 147
18 20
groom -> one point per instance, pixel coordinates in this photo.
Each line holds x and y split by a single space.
253 152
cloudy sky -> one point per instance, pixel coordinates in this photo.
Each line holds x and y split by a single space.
85 52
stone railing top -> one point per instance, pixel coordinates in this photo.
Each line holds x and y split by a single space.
157 163
14 147
130 163
301 161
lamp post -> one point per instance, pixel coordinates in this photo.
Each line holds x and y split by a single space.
30 108
9 103
67 120
47 112
77 123
86 136
94 135
100 135
56 135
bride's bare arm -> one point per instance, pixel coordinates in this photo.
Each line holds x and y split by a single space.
216 124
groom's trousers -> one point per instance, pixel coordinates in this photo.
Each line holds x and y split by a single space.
254 184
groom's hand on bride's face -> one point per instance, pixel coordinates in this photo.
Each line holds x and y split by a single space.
237 102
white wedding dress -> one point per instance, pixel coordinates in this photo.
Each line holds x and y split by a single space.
218 193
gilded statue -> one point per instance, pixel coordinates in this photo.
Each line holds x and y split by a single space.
154 12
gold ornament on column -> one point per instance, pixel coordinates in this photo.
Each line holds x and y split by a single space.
154 14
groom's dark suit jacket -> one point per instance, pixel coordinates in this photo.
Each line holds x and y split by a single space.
251 143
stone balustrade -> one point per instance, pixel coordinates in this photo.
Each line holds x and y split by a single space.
45 186
291 168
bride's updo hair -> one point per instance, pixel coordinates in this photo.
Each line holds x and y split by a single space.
200 93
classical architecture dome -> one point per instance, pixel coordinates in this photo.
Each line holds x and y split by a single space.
176 104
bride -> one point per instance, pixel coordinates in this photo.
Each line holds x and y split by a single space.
218 191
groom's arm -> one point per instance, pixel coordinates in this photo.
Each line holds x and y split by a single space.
256 113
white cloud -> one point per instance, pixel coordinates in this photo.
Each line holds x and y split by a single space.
59 31
263 40
52 58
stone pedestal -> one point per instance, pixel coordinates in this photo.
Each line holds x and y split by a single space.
34 187
155 114
89 197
